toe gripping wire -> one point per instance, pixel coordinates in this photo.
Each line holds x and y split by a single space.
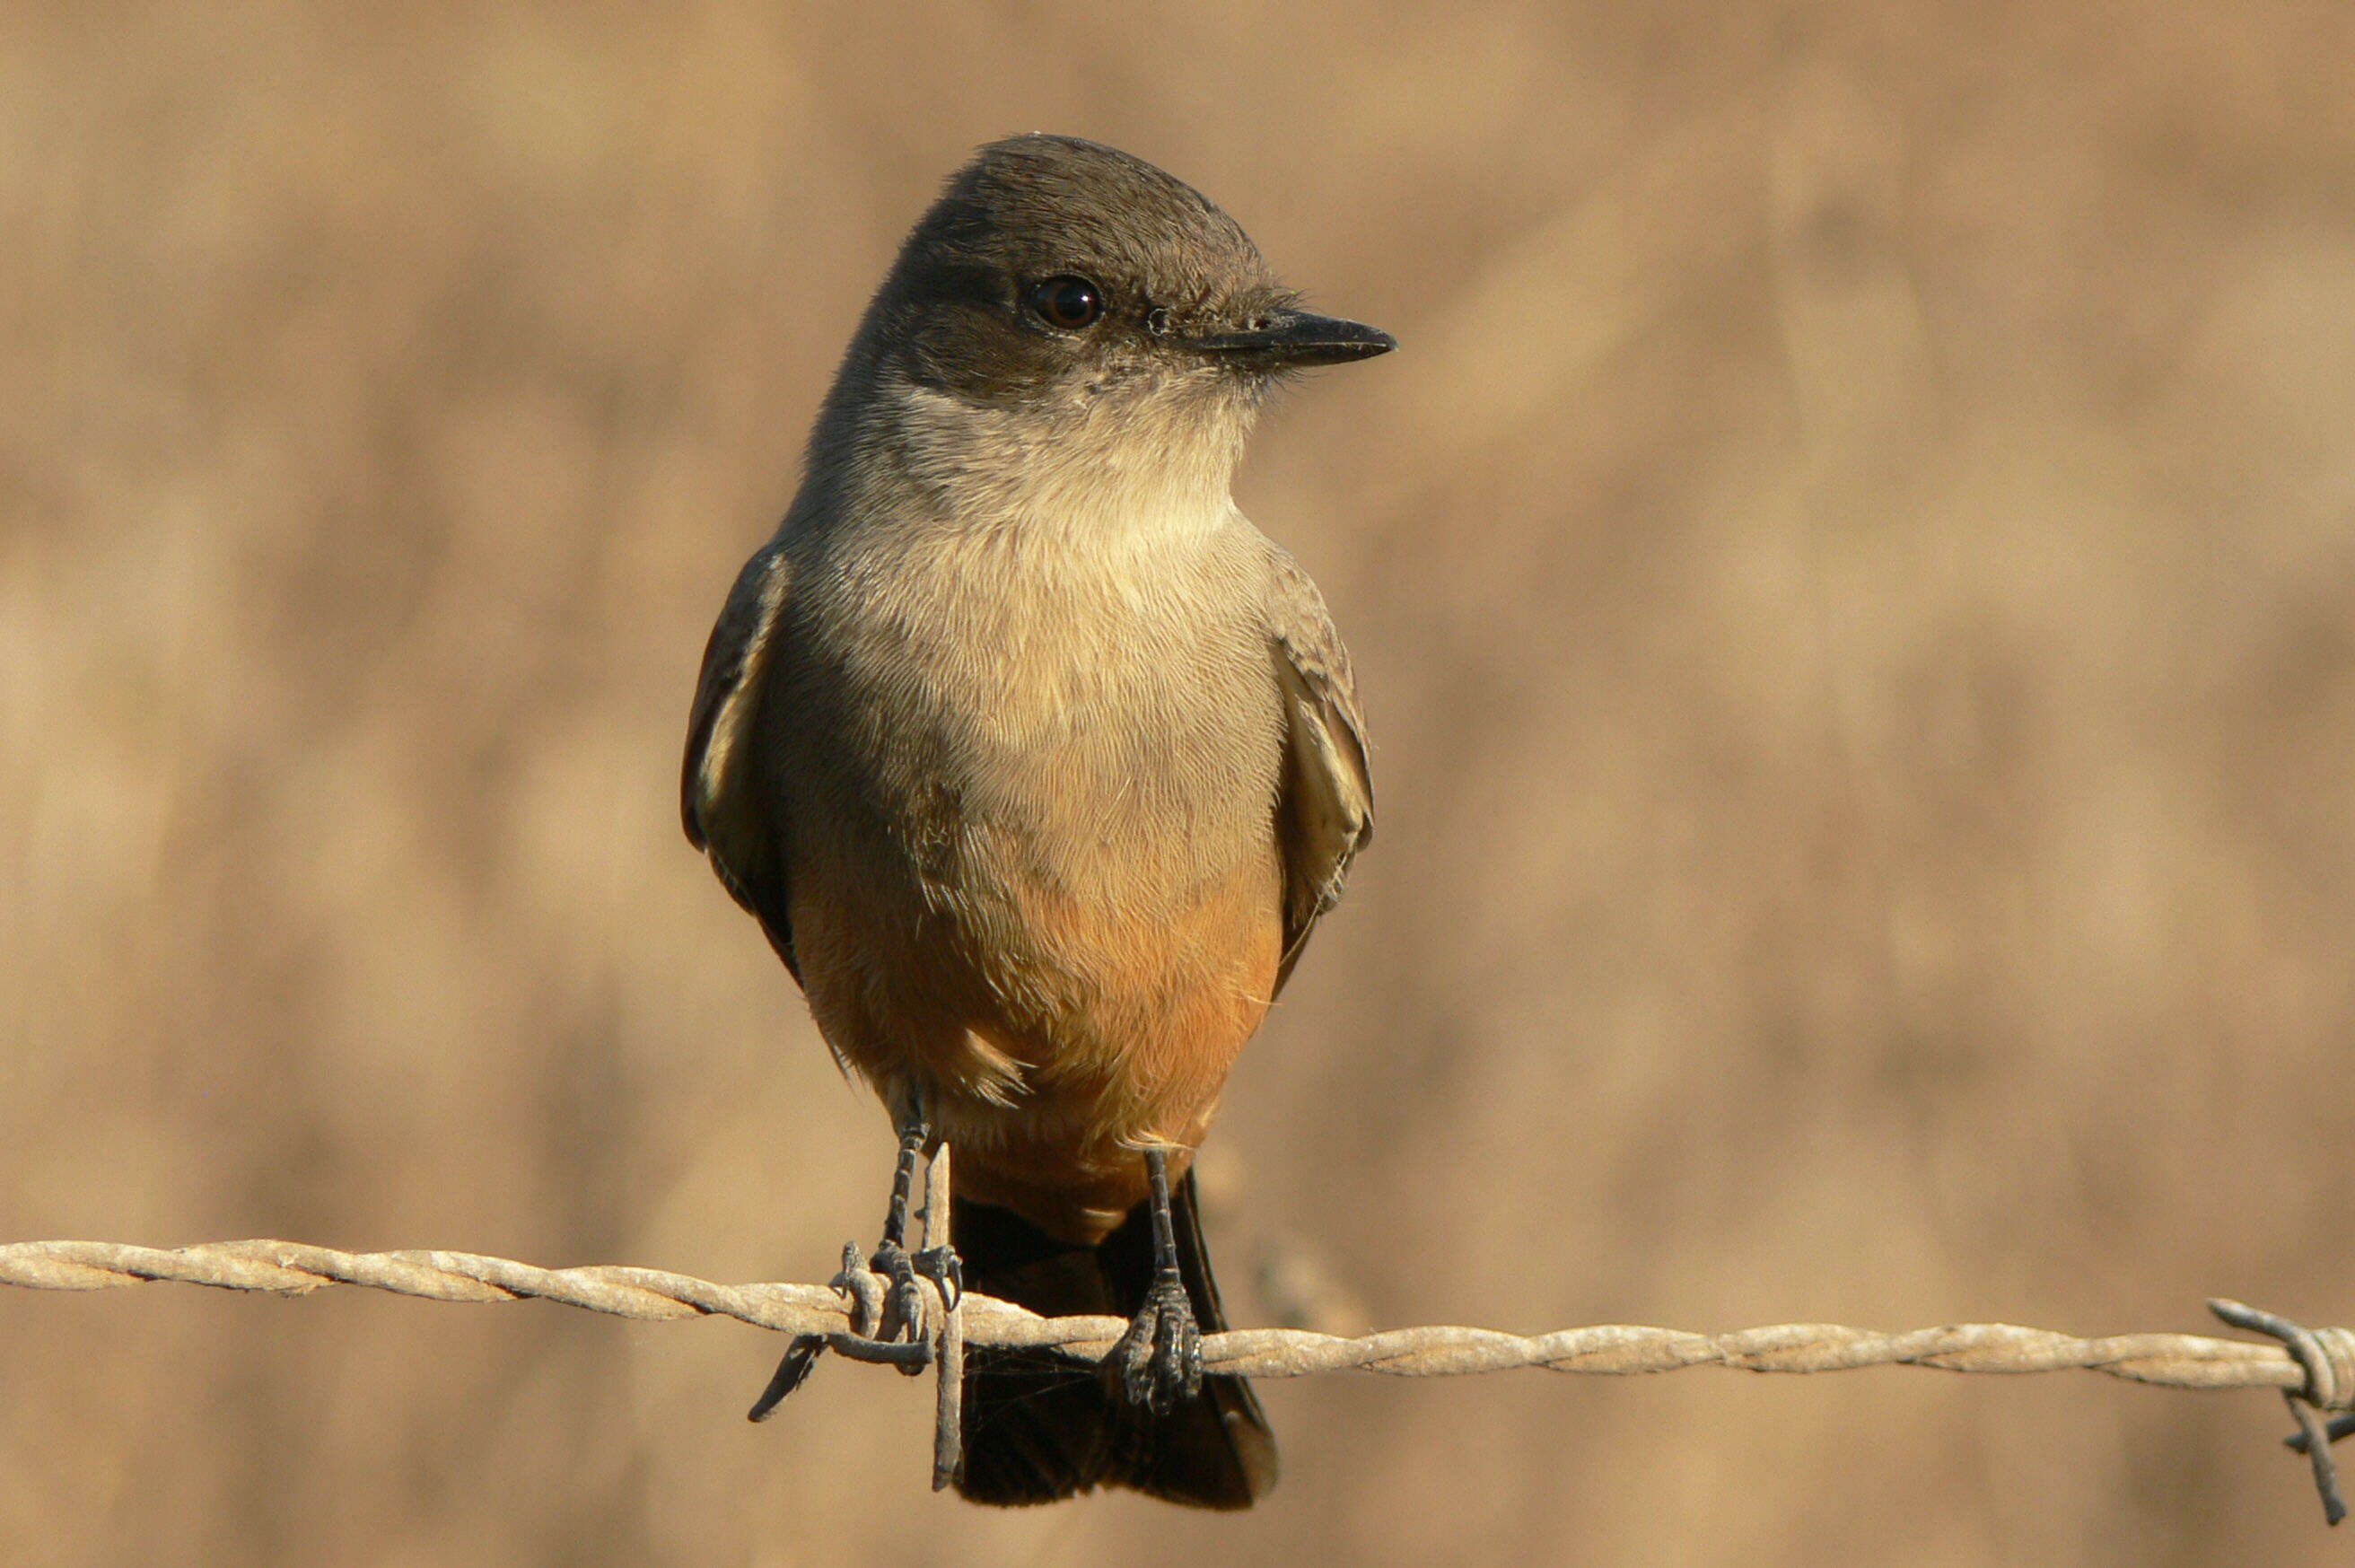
904 1312
905 1309
2326 1357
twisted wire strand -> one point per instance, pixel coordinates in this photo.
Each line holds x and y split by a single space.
2175 1360
2314 1368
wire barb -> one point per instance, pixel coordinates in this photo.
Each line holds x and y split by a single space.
948 1418
2327 1358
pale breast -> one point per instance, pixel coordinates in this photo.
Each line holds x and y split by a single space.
1100 725
1031 799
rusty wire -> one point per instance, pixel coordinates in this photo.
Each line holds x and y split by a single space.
2314 1368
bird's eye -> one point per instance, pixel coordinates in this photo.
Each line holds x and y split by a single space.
1067 302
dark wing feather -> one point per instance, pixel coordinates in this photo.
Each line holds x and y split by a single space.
727 812
1325 807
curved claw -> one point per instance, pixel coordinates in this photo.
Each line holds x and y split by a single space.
946 1271
903 1320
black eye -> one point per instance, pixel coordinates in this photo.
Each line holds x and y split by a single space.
1067 302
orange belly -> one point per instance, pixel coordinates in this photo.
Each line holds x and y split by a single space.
1052 1038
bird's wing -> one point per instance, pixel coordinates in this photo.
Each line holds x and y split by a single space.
1325 804
727 812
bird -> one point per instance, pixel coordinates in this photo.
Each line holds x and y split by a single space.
1038 763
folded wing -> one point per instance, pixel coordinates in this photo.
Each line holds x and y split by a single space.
730 812
1325 806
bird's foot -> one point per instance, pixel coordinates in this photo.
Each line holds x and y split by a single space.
1160 1357
900 1318
889 1299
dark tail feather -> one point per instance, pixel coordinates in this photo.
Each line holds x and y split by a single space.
1037 1428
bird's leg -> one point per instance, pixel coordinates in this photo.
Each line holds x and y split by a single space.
905 1318
939 1263
1160 1357
903 1313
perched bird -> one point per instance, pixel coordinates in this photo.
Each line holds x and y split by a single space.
1038 763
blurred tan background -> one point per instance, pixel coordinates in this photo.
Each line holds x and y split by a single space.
1853 574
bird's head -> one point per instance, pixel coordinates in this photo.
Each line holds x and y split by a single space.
1062 294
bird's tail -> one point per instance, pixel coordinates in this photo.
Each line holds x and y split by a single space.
1037 1428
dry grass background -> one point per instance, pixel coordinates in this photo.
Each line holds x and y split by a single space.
1853 578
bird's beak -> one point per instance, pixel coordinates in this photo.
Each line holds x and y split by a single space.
1290 339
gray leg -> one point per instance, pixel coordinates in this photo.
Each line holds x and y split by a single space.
892 1260
904 1315
1160 1357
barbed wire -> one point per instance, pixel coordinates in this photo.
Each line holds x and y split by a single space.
2314 1368
293 1268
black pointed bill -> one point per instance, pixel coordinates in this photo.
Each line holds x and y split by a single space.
1290 339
